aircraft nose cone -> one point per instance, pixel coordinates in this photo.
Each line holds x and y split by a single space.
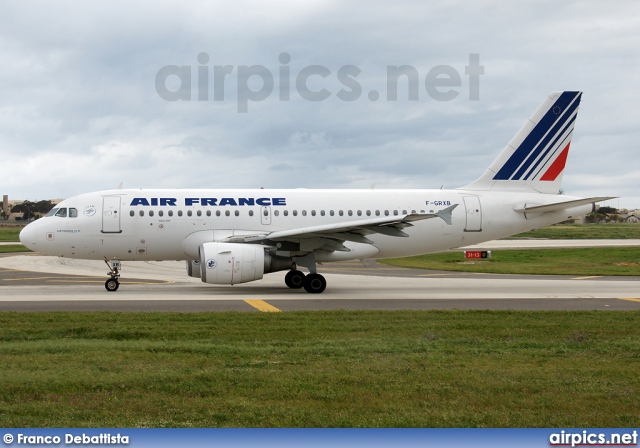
28 237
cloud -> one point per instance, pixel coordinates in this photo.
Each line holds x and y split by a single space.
80 110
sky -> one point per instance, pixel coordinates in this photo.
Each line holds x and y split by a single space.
284 94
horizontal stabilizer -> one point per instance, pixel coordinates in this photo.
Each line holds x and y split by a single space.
561 205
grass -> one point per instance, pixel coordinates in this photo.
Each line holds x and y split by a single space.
10 234
320 369
13 248
582 261
585 231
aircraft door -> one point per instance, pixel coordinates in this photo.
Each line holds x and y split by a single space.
265 215
474 214
111 214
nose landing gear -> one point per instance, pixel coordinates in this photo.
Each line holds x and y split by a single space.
112 283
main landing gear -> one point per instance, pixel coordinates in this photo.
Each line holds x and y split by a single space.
112 283
312 283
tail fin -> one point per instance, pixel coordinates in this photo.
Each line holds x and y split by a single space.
535 158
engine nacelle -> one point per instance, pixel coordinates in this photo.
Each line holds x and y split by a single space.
193 268
231 263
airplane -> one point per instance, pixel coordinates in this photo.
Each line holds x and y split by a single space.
236 236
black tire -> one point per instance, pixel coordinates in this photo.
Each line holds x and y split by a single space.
294 279
314 283
112 284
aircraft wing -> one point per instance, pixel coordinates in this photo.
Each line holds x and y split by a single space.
560 205
331 236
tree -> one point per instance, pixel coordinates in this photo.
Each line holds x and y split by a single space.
607 210
30 208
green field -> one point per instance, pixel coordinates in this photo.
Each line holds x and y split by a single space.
9 234
585 231
13 248
584 261
320 369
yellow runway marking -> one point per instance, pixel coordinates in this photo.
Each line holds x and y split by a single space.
584 278
263 306
631 299
431 275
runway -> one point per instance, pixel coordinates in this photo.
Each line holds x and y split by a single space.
39 283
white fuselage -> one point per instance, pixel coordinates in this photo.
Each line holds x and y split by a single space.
171 224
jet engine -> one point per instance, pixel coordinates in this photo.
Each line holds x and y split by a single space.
231 263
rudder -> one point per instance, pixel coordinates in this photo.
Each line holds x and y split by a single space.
535 157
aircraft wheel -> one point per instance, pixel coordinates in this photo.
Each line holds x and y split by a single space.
111 284
314 283
294 279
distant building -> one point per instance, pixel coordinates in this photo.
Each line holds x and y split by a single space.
632 218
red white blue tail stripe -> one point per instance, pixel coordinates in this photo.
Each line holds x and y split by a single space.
543 153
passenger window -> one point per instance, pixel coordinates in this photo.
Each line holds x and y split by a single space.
251 213
170 213
141 212
179 212
237 213
61 213
331 212
150 212
404 212
350 213
161 213
359 213
386 213
295 213
208 212
199 213
217 212
377 212
189 213
321 212
304 213
286 213
227 213
395 213
276 213
313 213
132 213
368 212
341 213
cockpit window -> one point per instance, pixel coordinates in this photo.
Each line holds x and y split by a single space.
73 213
62 213
52 212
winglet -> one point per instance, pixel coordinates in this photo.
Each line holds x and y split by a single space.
445 214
